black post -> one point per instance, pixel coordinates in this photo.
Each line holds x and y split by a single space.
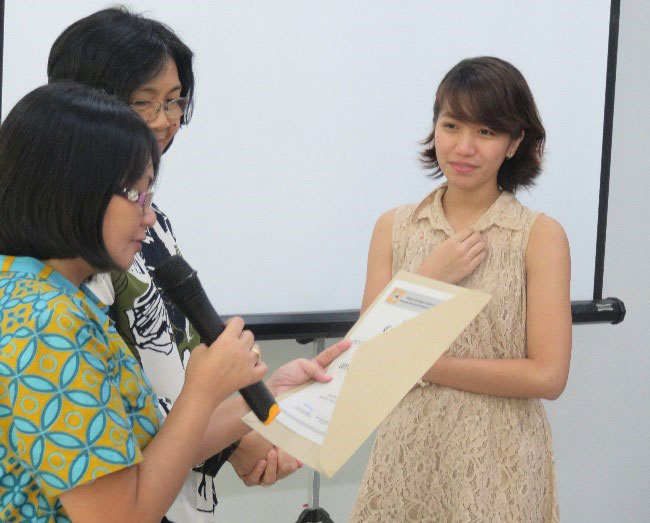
606 155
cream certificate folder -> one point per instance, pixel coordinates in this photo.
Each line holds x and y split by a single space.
406 329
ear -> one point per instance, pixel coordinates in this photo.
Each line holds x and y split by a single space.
514 145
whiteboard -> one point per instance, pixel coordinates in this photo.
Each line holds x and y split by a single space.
308 119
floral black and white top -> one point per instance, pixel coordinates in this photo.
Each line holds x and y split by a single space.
161 338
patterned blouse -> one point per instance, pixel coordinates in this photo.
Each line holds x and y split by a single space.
74 403
161 338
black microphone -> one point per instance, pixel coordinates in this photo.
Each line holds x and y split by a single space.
181 283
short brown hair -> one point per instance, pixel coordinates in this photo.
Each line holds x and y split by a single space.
492 92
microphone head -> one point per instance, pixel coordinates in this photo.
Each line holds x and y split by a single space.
173 272
180 284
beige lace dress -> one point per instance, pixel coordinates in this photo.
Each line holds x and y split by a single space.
448 455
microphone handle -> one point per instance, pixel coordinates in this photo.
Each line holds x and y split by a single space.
210 326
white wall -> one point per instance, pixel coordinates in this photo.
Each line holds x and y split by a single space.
307 123
601 424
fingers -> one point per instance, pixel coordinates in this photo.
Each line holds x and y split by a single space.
475 262
469 241
234 333
257 352
287 464
259 370
234 326
235 330
255 477
328 355
463 235
313 370
477 249
271 471
276 466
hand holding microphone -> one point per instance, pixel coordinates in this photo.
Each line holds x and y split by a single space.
230 363
181 284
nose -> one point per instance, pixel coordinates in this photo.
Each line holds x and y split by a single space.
160 122
466 144
149 217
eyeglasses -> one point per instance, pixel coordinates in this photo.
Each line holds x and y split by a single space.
149 109
143 199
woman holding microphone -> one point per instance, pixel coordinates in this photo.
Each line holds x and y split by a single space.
146 65
80 431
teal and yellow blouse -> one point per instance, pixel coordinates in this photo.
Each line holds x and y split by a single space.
74 403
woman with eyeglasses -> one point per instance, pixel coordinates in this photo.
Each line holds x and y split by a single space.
81 435
145 64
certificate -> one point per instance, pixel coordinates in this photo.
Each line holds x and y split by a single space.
398 338
309 411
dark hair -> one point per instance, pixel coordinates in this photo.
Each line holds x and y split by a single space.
65 151
119 51
492 92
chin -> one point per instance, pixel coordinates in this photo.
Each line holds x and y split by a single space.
125 263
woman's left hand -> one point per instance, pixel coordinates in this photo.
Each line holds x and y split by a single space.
300 371
257 462
277 465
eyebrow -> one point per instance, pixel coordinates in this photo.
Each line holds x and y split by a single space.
151 90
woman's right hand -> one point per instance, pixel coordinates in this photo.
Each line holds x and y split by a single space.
455 258
227 365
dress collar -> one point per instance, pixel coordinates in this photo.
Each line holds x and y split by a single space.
40 271
498 214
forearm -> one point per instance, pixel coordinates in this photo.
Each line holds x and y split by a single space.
144 492
169 457
224 427
515 378
252 449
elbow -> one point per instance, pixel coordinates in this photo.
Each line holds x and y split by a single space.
553 385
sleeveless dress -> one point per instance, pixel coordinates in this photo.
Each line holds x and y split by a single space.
448 455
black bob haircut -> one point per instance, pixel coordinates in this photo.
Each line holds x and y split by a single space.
65 151
119 51
492 92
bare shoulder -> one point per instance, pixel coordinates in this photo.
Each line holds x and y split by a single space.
547 240
387 219
383 229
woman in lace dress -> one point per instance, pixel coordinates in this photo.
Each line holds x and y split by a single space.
472 442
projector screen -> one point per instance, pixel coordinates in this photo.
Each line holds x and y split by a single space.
308 119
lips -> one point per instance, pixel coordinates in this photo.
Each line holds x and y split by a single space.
462 167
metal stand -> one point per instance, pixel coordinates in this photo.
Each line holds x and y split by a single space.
314 513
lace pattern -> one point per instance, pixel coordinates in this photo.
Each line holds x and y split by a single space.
450 455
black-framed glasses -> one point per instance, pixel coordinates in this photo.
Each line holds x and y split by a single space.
149 109
143 199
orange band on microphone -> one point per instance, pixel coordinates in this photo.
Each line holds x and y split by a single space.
273 412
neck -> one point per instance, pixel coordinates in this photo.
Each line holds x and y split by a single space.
464 208
76 270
